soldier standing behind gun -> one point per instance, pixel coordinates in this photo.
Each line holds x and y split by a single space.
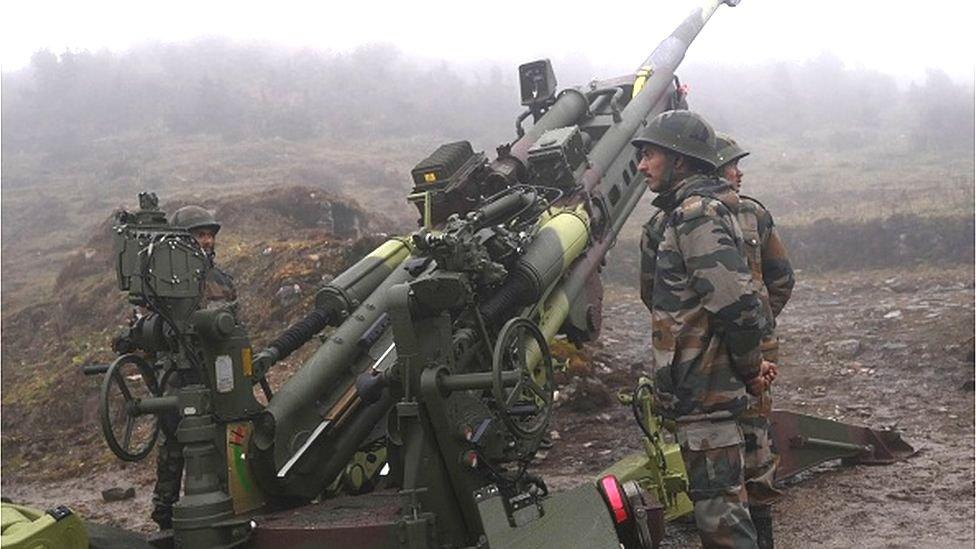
773 278
707 321
218 292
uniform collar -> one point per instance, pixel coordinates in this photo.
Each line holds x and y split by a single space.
698 184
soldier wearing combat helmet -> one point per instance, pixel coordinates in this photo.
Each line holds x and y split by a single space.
204 227
766 253
707 321
218 292
773 279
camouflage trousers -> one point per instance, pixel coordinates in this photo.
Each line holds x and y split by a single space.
760 460
713 456
169 462
169 479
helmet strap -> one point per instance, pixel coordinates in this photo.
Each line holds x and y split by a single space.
667 176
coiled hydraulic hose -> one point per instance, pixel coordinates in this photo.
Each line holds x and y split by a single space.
301 332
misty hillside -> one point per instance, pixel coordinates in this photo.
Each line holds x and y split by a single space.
60 104
83 133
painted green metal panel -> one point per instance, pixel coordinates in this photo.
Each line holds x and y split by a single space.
27 528
574 518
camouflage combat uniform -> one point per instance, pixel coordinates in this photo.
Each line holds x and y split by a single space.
651 236
218 292
707 322
772 275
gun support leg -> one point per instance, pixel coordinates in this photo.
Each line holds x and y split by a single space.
203 516
804 441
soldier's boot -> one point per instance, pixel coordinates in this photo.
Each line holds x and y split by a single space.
169 477
762 519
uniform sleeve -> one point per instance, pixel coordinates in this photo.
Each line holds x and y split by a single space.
720 276
776 269
219 286
651 237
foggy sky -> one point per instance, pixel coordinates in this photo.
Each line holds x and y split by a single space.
901 38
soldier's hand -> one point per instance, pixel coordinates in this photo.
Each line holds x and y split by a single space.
769 371
122 343
757 385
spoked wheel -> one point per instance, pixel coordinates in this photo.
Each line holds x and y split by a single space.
130 436
522 349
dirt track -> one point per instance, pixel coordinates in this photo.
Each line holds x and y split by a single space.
913 369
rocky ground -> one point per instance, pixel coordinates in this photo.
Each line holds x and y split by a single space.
881 348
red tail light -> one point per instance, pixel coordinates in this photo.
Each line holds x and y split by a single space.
613 493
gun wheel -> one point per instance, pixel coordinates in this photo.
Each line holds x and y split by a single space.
525 406
129 435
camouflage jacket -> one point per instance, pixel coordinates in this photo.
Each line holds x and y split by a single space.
766 254
707 318
218 288
651 236
770 266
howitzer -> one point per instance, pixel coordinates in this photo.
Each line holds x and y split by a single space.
437 368
522 236
573 170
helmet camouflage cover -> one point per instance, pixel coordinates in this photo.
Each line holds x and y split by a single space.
727 150
683 132
195 217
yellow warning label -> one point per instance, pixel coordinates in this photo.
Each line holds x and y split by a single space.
246 362
643 74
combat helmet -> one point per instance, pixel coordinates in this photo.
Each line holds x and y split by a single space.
727 150
195 217
683 132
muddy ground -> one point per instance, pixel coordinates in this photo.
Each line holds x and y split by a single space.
910 368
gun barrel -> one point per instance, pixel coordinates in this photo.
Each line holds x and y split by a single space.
671 50
650 96
652 80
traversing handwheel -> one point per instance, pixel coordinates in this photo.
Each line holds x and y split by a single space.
130 435
526 406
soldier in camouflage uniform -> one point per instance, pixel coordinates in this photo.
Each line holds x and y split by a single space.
707 321
773 278
218 292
